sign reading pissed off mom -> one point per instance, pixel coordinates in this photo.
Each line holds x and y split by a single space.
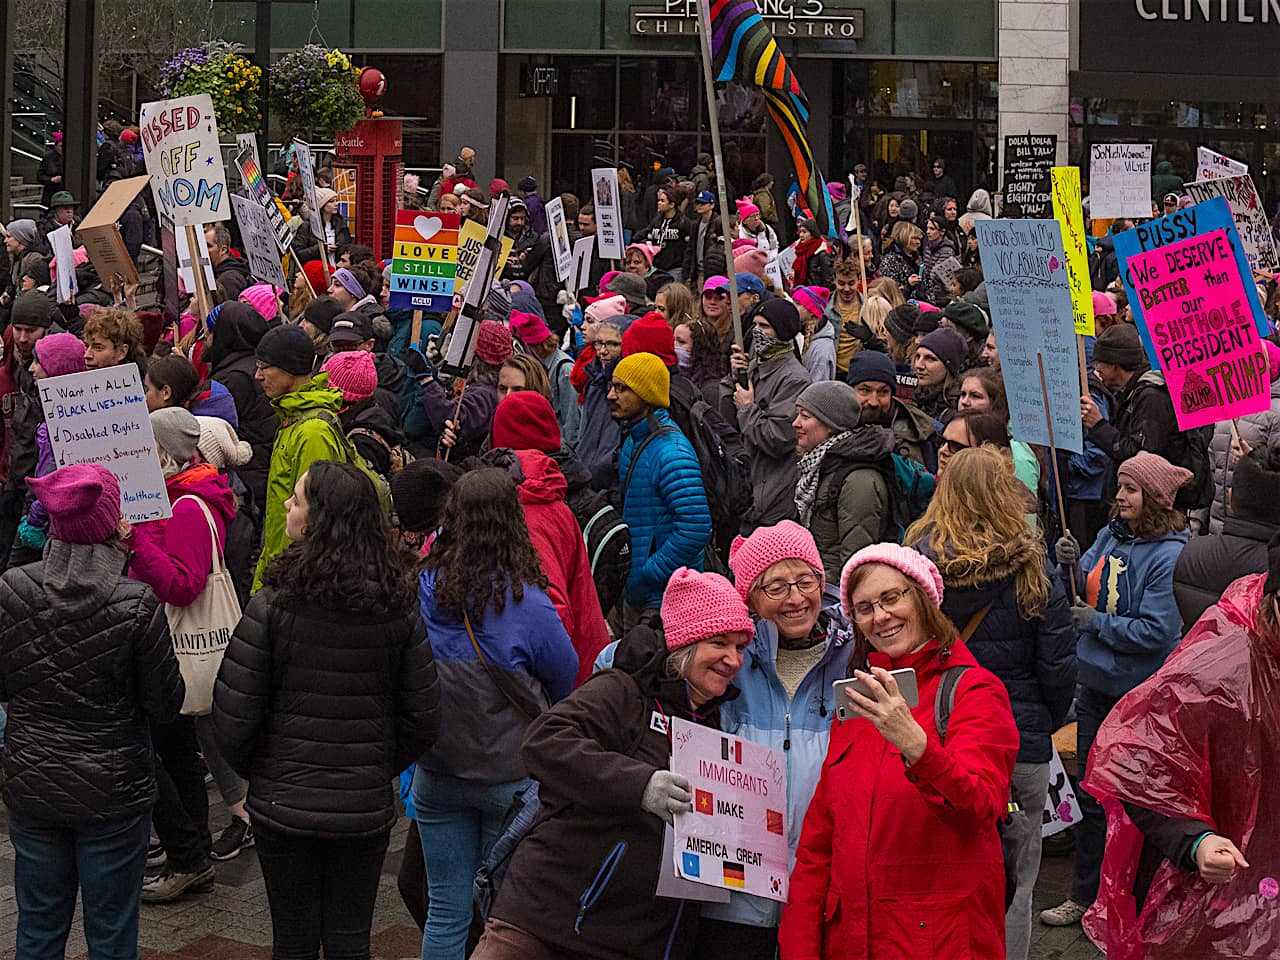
424 260
180 144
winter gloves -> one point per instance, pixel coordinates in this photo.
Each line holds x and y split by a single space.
1067 550
665 795
1082 616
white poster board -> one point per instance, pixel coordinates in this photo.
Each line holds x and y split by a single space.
187 279
561 245
1249 214
1061 808
307 171
64 258
1119 180
608 206
580 269
1211 165
736 836
100 416
259 241
180 145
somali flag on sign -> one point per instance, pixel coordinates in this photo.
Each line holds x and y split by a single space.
690 865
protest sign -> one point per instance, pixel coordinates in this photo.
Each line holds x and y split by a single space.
561 245
100 416
1249 215
344 184
736 836
424 260
1211 165
255 186
99 232
1070 216
64 262
248 143
308 174
1120 180
1025 269
258 242
674 887
1199 318
187 279
608 213
170 295
470 241
1061 808
1028 158
180 146
580 271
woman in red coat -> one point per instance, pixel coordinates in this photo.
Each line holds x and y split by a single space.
899 856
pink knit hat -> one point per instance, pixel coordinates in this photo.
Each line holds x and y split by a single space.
83 501
353 372
1273 359
751 261
262 297
493 343
903 559
700 605
1157 477
813 299
742 243
60 353
749 557
1103 305
604 307
647 250
745 208
530 328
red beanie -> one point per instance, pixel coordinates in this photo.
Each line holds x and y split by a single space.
314 270
524 420
650 334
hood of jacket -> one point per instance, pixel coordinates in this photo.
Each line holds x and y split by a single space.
368 415
543 482
576 476
992 569
204 481
316 394
237 331
979 202
912 422
866 442
392 372
81 577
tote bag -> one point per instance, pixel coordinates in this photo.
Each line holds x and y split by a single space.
202 630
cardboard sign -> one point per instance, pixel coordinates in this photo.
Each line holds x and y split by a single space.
561 245
1028 158
1026 274
1069 213
255 186
308 174
258 242
424 260
64 257
1211 165
100 416
187 279
736 836
1061 808
1249 215
1198 317
180 145
470 242
608 213
99 232
1120 180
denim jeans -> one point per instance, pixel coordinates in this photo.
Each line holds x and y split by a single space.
1030 787
1092 707
102 861
458 821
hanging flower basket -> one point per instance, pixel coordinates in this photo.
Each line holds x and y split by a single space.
221 71
315 91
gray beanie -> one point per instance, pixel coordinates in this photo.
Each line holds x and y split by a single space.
177 432
832 402
631 287
25 232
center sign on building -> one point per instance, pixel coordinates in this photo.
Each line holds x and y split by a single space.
825 19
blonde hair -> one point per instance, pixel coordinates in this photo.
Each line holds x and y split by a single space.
889 289
681 307
976 526
903 233
873 313
535 374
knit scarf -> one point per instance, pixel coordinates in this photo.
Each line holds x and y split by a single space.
804 250
809 467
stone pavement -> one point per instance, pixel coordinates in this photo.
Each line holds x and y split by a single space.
234 923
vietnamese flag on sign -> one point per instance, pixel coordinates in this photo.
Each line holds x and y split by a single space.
704 802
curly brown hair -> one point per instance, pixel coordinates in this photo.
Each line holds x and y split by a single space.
122 327
484 548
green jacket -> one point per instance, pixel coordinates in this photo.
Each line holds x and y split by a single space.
303 438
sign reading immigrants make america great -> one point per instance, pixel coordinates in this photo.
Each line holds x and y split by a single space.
1203 37
802 19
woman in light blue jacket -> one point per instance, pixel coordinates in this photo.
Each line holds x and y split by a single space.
785 703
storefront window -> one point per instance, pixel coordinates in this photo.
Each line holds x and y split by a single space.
666 98
586 95
901 88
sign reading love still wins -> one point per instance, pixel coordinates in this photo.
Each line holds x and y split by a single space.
424 259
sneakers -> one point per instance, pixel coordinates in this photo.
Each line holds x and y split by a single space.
1065 914
156 857
236 837
170 886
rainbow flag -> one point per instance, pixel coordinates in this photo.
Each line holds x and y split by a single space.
742 47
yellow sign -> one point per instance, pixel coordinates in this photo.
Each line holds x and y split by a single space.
1070 214
423 251
470 243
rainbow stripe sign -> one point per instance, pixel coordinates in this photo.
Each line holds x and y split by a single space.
424 259
258 191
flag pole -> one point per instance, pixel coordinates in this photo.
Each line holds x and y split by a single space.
704 35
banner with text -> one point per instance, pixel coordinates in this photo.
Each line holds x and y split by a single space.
1211 165
100 416
470 241
259 242
736 836
608 213
1026 274
561 244
1119 180
1070 216
1249 215
180 147
307 172
256 187
1028 158
424 261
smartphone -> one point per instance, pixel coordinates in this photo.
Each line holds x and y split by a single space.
907 686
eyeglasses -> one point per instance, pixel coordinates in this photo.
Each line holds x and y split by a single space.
955 446
607 344
618 387
889 601
781 589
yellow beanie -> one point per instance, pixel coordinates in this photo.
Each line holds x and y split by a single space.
647 377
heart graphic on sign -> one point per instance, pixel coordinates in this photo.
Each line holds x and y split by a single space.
427 227
1053 264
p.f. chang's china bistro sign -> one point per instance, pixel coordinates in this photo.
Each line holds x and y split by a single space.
803 19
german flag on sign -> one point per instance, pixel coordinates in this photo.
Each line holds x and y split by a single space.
734 876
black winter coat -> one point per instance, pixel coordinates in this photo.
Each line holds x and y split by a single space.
672 235
320 709
85 662
306 245
1207 565
231 358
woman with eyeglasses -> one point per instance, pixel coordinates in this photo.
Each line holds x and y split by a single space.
899 856
785 702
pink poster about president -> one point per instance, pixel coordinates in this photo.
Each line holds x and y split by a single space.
1198 316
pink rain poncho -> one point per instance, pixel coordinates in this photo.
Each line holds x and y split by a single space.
1199 740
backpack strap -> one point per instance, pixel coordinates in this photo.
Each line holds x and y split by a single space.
517 698
635 457
219 564
944 701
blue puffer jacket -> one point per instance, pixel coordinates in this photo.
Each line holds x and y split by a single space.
666 509
480 730
799 729
1137 624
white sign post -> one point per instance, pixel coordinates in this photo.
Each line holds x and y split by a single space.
259 241
736 836
1119 180
561 245
180 144
608 213
100 416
